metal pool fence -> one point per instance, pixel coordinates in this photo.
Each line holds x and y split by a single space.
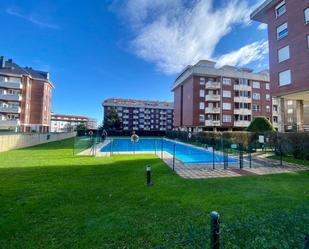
217 154
86 145
213 153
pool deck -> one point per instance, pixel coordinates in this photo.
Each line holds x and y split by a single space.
260 165
204 171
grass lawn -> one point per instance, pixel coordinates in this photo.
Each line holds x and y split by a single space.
52 199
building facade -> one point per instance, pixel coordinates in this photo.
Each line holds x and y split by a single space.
288 34
25 98
227 98
68 123
138 115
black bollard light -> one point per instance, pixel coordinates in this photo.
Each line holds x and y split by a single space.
214 230
148 175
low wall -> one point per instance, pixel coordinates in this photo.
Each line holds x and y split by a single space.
22 140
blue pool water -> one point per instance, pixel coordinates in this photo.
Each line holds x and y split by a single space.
183 152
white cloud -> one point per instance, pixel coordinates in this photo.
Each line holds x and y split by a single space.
172 34
245 55
31 18
262 26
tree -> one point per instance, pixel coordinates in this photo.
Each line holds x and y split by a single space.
112 120
81 127
260 124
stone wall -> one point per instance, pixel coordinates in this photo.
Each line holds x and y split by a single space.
22 140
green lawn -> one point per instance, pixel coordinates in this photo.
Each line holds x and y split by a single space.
51 199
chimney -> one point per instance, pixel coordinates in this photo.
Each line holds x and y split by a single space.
2 62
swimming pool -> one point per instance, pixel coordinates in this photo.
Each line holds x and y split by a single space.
183 152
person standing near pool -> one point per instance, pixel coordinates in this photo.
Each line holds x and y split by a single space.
134 137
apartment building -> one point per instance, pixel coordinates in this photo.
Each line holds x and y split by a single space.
288 34
67 123
25 98
226 98
141 115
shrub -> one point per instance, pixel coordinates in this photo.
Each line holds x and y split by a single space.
260 124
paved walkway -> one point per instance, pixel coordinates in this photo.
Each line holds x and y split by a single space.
261 166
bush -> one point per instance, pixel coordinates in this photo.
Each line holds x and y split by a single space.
295 144
260 124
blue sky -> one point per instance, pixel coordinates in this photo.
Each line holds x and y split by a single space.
130 49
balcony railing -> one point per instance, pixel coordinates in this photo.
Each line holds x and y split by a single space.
242 88
212 85
10 97
243 111
212 110
212 97
242 123
8 84
7 122
10 109
212 123
243 99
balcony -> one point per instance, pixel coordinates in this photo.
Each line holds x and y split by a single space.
212 110
275 101
242 99
8 84
242 123
212 123
243 111
242 88
10 97
13 122
212 97
212 85
10 109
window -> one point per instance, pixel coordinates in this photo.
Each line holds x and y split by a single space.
267 97
226 94
284 53
227 118
256 84
280 9
307 15
256 96
267 108
256 108
227 81
282 31
285 78
202 81
290 102
202 93
244 82
202 105
226 106
267 86
290 111
202 118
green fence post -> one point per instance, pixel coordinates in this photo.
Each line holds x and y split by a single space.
214 230
241 156
174 151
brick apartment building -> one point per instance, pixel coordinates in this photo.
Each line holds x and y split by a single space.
67 123
227 98
25 98
288 34
141 115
